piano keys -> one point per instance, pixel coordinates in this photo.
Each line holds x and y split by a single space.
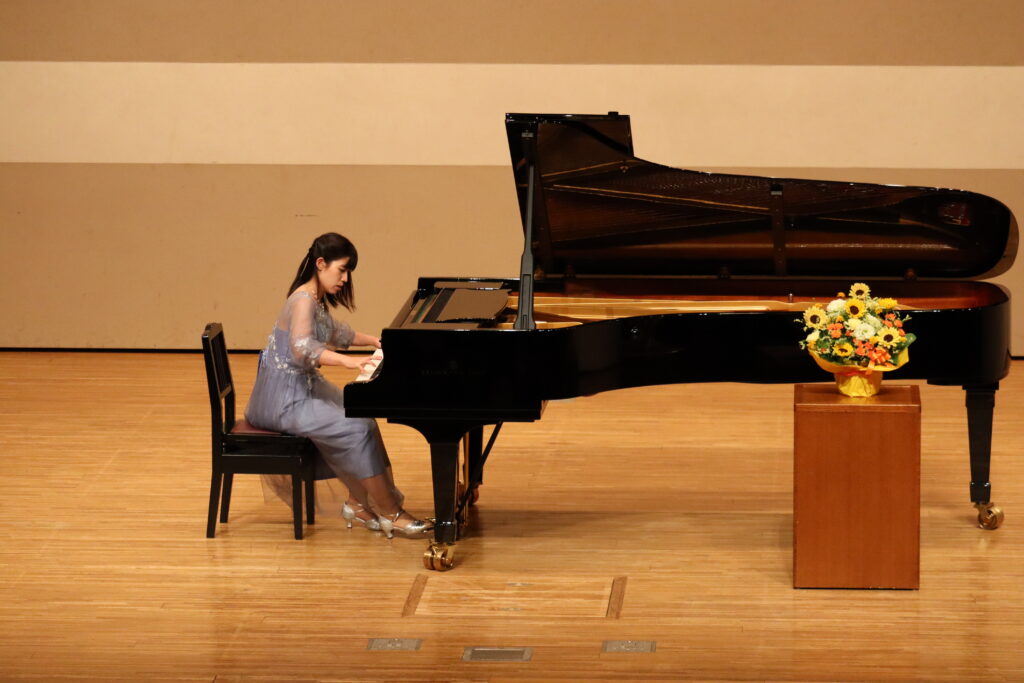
639 274
370 366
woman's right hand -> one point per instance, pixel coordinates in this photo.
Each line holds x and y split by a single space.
354 363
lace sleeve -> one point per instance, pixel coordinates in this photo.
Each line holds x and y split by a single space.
305 347
342 334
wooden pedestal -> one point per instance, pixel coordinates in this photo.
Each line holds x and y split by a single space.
856 488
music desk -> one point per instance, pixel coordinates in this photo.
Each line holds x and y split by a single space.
856 488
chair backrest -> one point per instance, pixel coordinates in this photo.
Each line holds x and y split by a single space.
218 379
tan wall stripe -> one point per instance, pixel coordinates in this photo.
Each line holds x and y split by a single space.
429 114
926 32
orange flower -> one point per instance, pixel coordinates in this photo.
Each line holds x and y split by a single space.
835 330
879 355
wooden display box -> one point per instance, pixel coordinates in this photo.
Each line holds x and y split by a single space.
856 488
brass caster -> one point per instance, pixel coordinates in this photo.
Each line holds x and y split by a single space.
439 557
989 516
475 496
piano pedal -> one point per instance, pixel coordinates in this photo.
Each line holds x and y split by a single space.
439 557
989 516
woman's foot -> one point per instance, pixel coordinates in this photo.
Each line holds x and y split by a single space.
404 524
354 511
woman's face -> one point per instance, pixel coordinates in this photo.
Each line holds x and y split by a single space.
333 275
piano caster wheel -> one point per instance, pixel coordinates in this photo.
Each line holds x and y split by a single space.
439 557
474 497
989 516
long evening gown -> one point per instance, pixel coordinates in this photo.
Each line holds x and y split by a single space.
290 395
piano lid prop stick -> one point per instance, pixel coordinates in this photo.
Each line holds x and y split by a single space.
524 320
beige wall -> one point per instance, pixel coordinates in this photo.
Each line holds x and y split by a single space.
163 164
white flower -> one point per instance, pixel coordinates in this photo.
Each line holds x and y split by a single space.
875 322
836 305
864 331
812 337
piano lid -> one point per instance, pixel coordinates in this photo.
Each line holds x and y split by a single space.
599 210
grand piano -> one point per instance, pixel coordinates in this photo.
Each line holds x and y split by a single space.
631 269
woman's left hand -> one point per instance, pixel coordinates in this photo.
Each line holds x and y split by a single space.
363 339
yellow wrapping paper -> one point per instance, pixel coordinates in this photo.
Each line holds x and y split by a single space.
858 382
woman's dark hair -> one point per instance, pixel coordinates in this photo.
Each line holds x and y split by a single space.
330 246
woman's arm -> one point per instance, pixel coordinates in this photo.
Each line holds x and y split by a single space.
328 357
362 339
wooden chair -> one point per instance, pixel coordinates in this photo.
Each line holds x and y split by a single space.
240 448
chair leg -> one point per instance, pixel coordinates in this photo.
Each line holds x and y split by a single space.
229 478
211 519
297 504
310 497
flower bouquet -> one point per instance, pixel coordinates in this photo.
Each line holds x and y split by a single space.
857 337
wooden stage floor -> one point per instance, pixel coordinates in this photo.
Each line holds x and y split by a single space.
660 515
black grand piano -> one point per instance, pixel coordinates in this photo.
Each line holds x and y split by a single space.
630 269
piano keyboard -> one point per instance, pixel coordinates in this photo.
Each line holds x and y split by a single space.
368 370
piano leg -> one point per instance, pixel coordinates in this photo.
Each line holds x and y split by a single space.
444 464
981 401
474 452
445 439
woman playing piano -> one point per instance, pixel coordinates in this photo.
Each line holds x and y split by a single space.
292 396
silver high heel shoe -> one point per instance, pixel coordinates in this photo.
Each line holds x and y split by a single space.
351 515
416 527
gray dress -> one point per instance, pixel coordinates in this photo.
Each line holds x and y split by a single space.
290 395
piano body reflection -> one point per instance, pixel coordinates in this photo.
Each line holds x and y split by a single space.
632 270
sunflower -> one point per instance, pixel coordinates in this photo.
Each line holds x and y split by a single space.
886 304
815 317
859 290
888 336
842 349
855 308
